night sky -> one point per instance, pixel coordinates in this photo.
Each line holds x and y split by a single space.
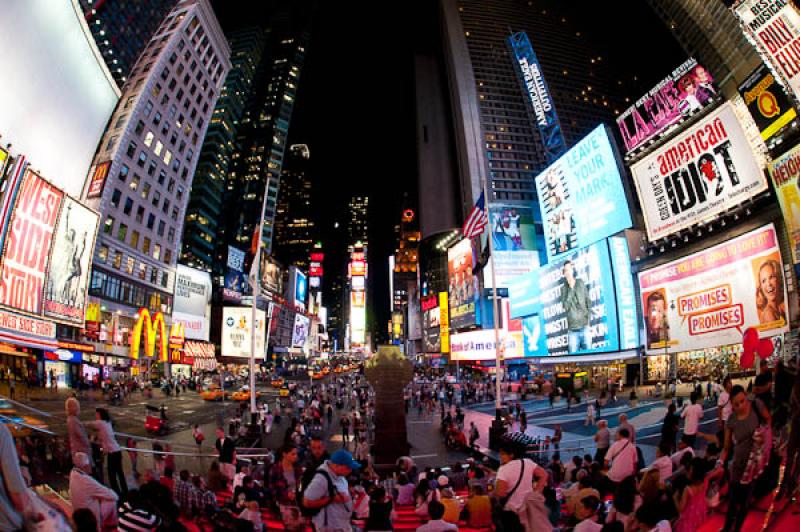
355 105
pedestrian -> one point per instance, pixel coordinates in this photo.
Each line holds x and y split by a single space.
693 413
197 434
133 454
670 427
12 384
473 434
226 451
329 492
345 422
589 415
556 439
105 432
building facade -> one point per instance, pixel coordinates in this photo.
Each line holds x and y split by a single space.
122 30
295 227
208 187
150 151
357 223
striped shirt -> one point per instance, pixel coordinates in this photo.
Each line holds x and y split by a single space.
137 520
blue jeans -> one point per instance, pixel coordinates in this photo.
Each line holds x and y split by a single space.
580 340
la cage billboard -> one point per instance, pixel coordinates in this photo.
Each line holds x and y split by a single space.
704 170
237 332
581 195
689 88
709 298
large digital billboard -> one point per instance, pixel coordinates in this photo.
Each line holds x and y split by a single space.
581 196
235 280
300 330
70 263
480 345
431 342
708 298
463 291
27 244
767 102
583 304
190 305
774 27
514 241
237 332
784 172
271 274
358 325
689 88
706 169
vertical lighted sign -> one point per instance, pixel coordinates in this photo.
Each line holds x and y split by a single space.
444 322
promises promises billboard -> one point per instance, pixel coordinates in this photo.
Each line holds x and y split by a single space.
687 89
774 27
704 170
237 333
785 171
707 299
581 195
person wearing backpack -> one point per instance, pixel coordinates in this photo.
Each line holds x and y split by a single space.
744 431
327 497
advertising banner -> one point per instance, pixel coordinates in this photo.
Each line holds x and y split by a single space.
27 245
300 330
299 287
98 180
430 324
480 345
706 169
708 298
358 325
26 331
463 292
514 240
235 280
237 332
784 172
767 102
581 196
191 303
444 322
774 27
689 88
68 274
271 275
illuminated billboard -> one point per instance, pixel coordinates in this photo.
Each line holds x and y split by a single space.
358 325
480 345
70 263
514 240
430 324
767 102
708 298
581 196
689 88
62 96
785 171
237 332
773 26
190 305
298 287
235 282
271 275
300 330
463 292
706 169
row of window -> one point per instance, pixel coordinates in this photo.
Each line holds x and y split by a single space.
115 258
112 288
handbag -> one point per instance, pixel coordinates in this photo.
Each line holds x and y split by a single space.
508 520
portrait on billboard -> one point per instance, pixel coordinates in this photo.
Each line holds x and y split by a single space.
770 288
655 315
577 306
463 285
68 275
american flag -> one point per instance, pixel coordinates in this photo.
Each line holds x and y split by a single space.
476 221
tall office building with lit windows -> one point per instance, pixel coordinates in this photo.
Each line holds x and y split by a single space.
145 163
122 29
357 224
295 227
208 188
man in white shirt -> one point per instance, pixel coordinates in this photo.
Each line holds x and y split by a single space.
724 406
436 524
663 462
519 477
625 424
692 413
86 492
622 457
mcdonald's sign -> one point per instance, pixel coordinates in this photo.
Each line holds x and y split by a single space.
144 325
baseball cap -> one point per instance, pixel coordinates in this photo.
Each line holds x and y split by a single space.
344 458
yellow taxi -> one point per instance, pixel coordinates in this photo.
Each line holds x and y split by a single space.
317 375
213 394
277 382
284 391
326 370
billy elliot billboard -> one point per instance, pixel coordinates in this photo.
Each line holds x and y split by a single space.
708 298
688 89
704 170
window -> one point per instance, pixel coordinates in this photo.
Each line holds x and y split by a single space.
176 164
171 234
167 157
159 147
165 279
146 191
156 198
182 146
193 66
154 275
148 139
167 256
165 129
162 175
134 182
184 173
142 270
129 102
151 169
123 172
122 232
186 79
135 239
172 84
128 207
175 213
165 210
180 193
148 107
157 251
173 58
146 246
161 224
173 139
142 159
157 118
115 197
102 254
139 127
190 154
118 260
130 263
181 45
139 214
156 90
131 151
151 221
109 225
164 99
179 95
171 185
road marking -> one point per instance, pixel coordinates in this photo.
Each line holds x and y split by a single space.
188 411
423 422
418 456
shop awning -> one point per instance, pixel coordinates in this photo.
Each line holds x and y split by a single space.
8 349
588 359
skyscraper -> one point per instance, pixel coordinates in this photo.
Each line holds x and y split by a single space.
150 149
357 224
122 30
294 215
208 188
261 140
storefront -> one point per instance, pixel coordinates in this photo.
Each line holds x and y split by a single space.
64 365
23 340
601 370
702 364
16 359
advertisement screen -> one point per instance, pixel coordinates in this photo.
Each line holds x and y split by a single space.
463 291
271 275
358 325
68 275
27 244
774 27
357 283
430 324
98 179
767 102
706 169
300 330
237 335
784 172
514 241
689 88
444 322
708 298
300 288
480 345
581 196
235 280
191 302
